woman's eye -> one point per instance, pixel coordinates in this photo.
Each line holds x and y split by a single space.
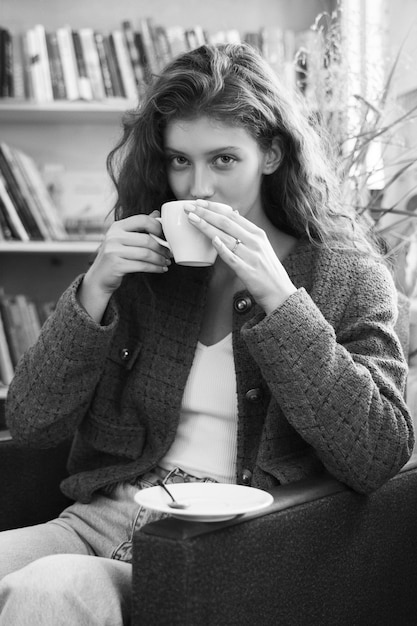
224 160
177 162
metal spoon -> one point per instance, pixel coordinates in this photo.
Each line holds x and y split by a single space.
174 504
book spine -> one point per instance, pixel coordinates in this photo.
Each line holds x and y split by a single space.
33 217
34 66
125 67
104 64
135 59
162 46
41 193
57 75
19 80
114 66
6 69
45 72
69 62
5 230
27 67
11 328
17 327
92 62
84 84
7 167
30 321
151 60
142 55
11 214
35 205
6 363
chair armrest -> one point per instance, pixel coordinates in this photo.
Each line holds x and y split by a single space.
321 554
29 483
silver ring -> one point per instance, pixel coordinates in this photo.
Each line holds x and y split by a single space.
238 241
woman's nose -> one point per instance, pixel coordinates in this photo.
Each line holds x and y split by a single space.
202 185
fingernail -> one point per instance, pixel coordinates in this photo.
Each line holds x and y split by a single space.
189 207
202 203
193 218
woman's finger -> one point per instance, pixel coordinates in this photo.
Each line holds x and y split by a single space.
227 231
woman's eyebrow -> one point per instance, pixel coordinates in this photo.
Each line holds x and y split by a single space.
209 153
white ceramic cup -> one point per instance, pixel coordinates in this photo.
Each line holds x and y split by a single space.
188 245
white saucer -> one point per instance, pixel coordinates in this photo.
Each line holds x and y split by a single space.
207 502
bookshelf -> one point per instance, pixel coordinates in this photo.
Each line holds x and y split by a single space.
78 135
63 112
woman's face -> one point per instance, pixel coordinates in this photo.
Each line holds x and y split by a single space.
215 161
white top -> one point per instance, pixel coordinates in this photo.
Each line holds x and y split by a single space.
206 439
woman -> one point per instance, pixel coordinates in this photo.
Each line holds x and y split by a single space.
279 362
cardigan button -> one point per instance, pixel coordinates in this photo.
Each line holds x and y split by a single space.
242 304
246 477
124 354
254 395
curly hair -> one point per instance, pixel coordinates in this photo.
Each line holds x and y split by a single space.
233 84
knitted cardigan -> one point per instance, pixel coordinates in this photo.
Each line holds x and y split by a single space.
320 380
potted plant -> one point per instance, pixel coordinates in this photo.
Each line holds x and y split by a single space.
377 160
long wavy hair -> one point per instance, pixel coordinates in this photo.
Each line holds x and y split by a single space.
233 84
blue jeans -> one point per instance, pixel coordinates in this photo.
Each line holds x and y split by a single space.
47 575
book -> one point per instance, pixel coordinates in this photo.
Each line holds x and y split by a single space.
92 62
28 315
33 65
125 67
6 63
55 65
15 226
26 205
27 67
116 78
45 72
162 46
41 195
148 43
5 231
6 363
20 90
104 64
44 310
68 61
12 327
135 57
142 55
84 200
85 88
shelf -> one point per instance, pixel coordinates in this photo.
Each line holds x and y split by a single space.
47 247
63 111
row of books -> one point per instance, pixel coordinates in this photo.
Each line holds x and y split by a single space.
27 211
88 64
21 320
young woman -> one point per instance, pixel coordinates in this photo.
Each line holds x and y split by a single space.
279 362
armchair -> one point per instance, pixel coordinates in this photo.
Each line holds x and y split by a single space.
321 555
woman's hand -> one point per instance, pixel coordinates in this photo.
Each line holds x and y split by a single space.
246 249
127 248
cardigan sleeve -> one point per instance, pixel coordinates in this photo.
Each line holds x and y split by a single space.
55 379
341 388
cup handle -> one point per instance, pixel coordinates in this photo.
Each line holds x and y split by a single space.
158 239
